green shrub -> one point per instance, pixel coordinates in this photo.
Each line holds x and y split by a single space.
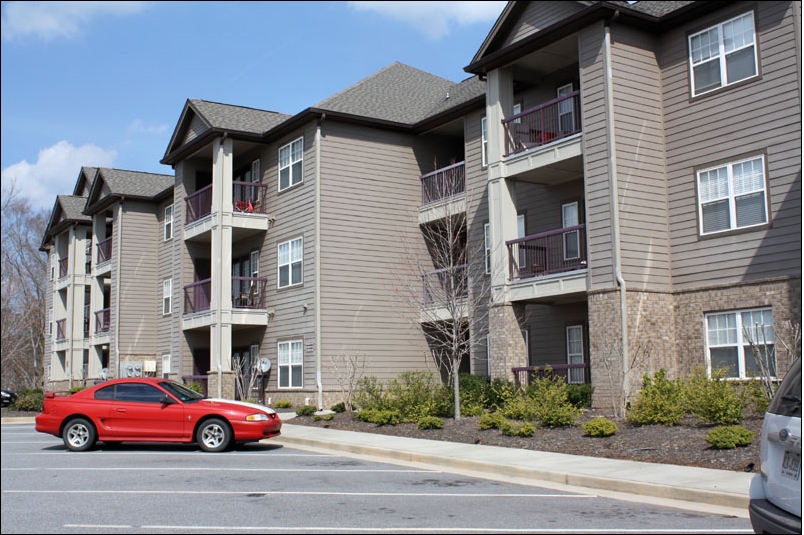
661 401
430 422
414 394
474 394
325 417
729 437
580 395
368 394
714 400
548 397
283 404
77 388
338 407
195 386
754 398
379 417
599 427
500 392
525 429
493 420
306 410
29 400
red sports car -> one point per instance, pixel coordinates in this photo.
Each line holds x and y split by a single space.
147 409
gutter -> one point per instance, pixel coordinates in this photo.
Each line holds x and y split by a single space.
615 211
317 263
119 263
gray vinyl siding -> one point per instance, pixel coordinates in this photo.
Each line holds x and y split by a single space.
138 284
540 15
762 116
166 325
370 194
546 325
596 157
636 80
196 128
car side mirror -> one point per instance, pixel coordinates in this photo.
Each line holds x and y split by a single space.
167 400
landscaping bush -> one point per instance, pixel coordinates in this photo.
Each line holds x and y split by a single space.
195 386
29 400
714 399
729 437
338 407
493 420
599 427
283 404
379 417
368 394
430 422
661 401
325 417
753 396
525 429
414 394
500 392
474 394
550 403
580 395
306 410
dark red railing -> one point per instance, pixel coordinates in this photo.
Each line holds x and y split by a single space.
248 292
555 251
572 373
198 204
249 197
104 250
63 267
102 320
444 285
443 183
198 296
543 124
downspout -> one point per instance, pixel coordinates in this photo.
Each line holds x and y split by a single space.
118 262
317 263
615 211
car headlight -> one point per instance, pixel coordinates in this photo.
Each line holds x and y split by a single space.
259 417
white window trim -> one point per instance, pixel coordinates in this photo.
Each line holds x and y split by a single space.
487 246
169 222
290 363
290 164
740 343
165 365
279 265
731 196
721 55
167 298
575 376
484 142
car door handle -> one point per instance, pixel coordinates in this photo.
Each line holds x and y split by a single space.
120 410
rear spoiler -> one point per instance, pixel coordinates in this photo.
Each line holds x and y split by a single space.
58 393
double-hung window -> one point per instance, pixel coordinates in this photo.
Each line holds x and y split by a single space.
290 164
291 364
723 54
290 263
732 196
167 288
741 341
168 222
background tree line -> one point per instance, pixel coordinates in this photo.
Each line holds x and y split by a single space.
23 284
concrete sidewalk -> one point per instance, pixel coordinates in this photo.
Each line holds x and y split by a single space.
701 486
692 488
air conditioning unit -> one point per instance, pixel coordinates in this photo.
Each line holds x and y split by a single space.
149 366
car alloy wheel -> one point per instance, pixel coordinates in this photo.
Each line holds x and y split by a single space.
79 435
214 435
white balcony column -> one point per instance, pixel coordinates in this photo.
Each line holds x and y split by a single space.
502 193
221 269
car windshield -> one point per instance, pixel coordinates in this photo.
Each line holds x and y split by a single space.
181 392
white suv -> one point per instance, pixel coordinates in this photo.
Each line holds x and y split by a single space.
775 493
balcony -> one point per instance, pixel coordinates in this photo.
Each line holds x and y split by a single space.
102 321
198 296
443 193
444 285
104 250
248 197
543 124
248 292
61 329
198 205
64 265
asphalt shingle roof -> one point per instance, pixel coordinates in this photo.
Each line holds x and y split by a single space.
72 207
136 183
237 118
652 7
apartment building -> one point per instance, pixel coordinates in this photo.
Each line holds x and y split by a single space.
618 182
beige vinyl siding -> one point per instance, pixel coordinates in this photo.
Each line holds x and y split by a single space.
636 81
762 116
596 157
165 325
547 331
370 194
540 15
196 128
138 284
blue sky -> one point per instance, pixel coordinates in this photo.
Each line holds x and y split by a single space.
103 83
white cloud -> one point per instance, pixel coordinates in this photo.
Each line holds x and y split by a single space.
53 20
54 172
138 127
435 19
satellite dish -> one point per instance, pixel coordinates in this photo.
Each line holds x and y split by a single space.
264 365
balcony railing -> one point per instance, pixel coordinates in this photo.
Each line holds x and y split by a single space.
104 250
198 204
248 292
444 285
198 296
572 373
249 197
543 124
555 251
64 265
102 320
443 183
61 329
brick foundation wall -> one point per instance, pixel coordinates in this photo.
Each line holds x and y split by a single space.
505 340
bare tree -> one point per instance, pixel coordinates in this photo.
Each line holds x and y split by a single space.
247 376
349 368
612 360
23 296
442 275
764 350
